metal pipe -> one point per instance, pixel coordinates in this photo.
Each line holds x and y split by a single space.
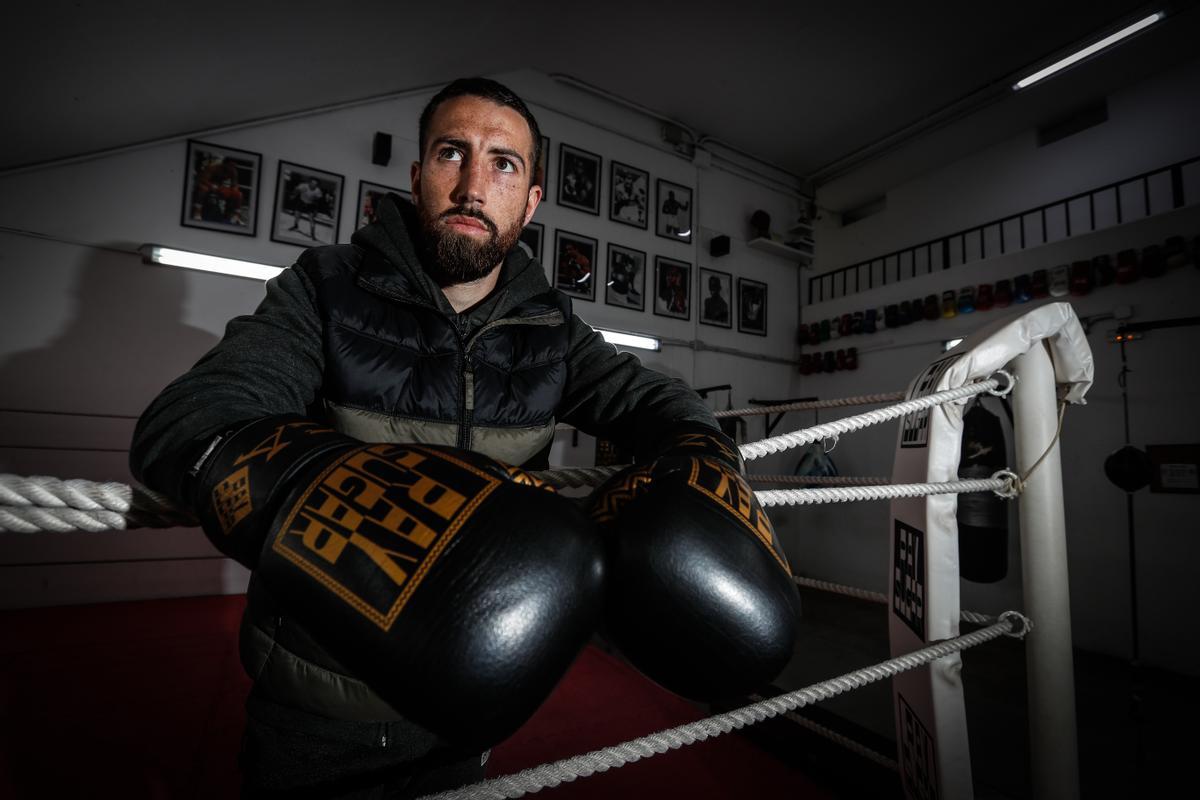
1054 754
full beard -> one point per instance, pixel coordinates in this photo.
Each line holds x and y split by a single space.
453 258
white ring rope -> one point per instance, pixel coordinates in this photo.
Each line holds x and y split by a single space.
817 480
973 617
847 494
811 405
29 505
549 775
832 430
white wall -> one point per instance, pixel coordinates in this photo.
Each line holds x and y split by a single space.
1151 125
90 334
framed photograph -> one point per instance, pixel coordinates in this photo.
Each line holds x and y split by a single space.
542 177
308 205
626 285
752 306
531 239
673 214
672 288
220 191
578 179
716 298
629 195
575 264
369 195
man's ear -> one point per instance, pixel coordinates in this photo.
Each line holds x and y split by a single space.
531 204
414 179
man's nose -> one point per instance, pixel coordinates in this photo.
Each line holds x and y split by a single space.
471 187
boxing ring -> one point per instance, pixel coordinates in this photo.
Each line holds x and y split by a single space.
1040 358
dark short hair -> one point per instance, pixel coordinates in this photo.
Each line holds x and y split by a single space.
491 90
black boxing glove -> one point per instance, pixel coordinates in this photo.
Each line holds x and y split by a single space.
700 596
455 586
237 484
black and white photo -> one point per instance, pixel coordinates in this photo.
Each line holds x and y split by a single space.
716 295
578 179
673 212
308 205
531 240
220 191
369 196
752 306
672 288
626 281
575 264
629 195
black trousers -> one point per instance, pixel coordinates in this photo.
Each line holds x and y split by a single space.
292 755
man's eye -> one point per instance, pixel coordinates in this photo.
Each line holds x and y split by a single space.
450 154
505 165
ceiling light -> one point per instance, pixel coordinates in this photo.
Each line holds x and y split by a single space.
1107 41
630 339
169 256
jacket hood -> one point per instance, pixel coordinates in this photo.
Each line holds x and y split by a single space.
395 235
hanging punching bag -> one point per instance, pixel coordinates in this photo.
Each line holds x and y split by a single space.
982 516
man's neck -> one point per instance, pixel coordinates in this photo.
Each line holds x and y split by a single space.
465 295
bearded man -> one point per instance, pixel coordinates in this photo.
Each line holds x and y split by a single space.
357 443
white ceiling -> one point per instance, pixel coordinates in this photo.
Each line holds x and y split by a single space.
798 84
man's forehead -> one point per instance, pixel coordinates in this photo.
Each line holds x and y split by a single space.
468 117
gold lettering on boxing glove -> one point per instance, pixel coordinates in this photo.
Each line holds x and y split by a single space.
371 526
271 446
231 499
731 491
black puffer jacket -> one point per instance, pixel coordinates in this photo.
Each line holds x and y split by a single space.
359 335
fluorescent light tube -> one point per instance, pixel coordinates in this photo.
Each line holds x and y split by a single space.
630 339
169 256
1107 41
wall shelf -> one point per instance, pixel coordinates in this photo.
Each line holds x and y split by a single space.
780 249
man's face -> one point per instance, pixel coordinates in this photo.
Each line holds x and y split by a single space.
473 187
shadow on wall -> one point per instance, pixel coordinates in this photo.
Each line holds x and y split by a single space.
125 341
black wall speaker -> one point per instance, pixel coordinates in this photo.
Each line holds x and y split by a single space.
719 246
381 151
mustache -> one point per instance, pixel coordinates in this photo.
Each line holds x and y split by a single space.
474 213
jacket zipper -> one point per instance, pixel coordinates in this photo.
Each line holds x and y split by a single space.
466 370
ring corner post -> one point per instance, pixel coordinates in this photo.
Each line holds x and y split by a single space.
1054 754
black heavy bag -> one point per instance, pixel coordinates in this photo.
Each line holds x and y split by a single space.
982 516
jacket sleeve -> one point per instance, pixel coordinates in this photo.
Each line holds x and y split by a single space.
610 394
269 362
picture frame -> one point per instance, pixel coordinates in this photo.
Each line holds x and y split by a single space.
575 264
220 188
673 211
672 288
531 240
752 306
310 198
369 195
625 285
579 179
542 175
628 195
714 292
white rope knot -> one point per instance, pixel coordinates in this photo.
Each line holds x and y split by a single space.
1021 624
1005 390
1013 485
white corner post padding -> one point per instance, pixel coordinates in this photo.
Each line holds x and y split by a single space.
1049 664
931 731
